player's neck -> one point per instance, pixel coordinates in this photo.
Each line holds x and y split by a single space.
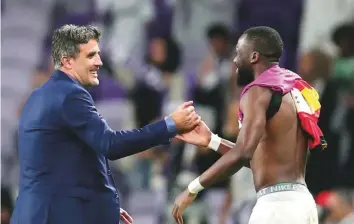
262 67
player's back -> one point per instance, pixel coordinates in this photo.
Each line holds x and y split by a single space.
281 154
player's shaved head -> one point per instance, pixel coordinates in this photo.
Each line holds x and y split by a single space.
265 40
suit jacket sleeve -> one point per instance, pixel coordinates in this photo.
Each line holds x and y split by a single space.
81 117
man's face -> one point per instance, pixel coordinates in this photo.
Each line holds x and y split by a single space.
87 63
243 58
346 45
219 45
306 67
158 50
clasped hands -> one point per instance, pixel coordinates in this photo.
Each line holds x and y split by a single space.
190 127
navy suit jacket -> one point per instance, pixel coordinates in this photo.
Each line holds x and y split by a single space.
64 145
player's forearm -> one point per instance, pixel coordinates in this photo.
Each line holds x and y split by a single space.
220 145
225 146
230 163
225 167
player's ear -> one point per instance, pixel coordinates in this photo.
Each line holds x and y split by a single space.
254 57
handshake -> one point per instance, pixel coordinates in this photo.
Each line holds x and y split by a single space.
190 127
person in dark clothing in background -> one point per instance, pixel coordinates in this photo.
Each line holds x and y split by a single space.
343 38
214 73
315 67
6 205
162 61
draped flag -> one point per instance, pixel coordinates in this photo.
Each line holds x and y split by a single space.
308 107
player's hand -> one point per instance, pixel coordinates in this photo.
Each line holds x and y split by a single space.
185 117
125 217
181 203
199 136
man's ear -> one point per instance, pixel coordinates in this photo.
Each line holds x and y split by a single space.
254 57
67 62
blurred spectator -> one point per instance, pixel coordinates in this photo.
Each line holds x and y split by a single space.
336 207
127 37
214 74
161 23
23 27
190 20
6 205
163 60
316 68
319 18
151 89
231 127
343 37
3 4
344 126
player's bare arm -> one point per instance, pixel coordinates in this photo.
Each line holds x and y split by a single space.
202 136
225 146
254 105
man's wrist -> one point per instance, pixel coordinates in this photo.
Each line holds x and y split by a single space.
171 125
215 142
195 187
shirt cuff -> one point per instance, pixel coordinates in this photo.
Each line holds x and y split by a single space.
171 126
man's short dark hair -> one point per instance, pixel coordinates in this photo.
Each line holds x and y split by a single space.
218 31
343 31
267 41
66 41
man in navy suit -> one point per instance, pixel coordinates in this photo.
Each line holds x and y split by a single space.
64 143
